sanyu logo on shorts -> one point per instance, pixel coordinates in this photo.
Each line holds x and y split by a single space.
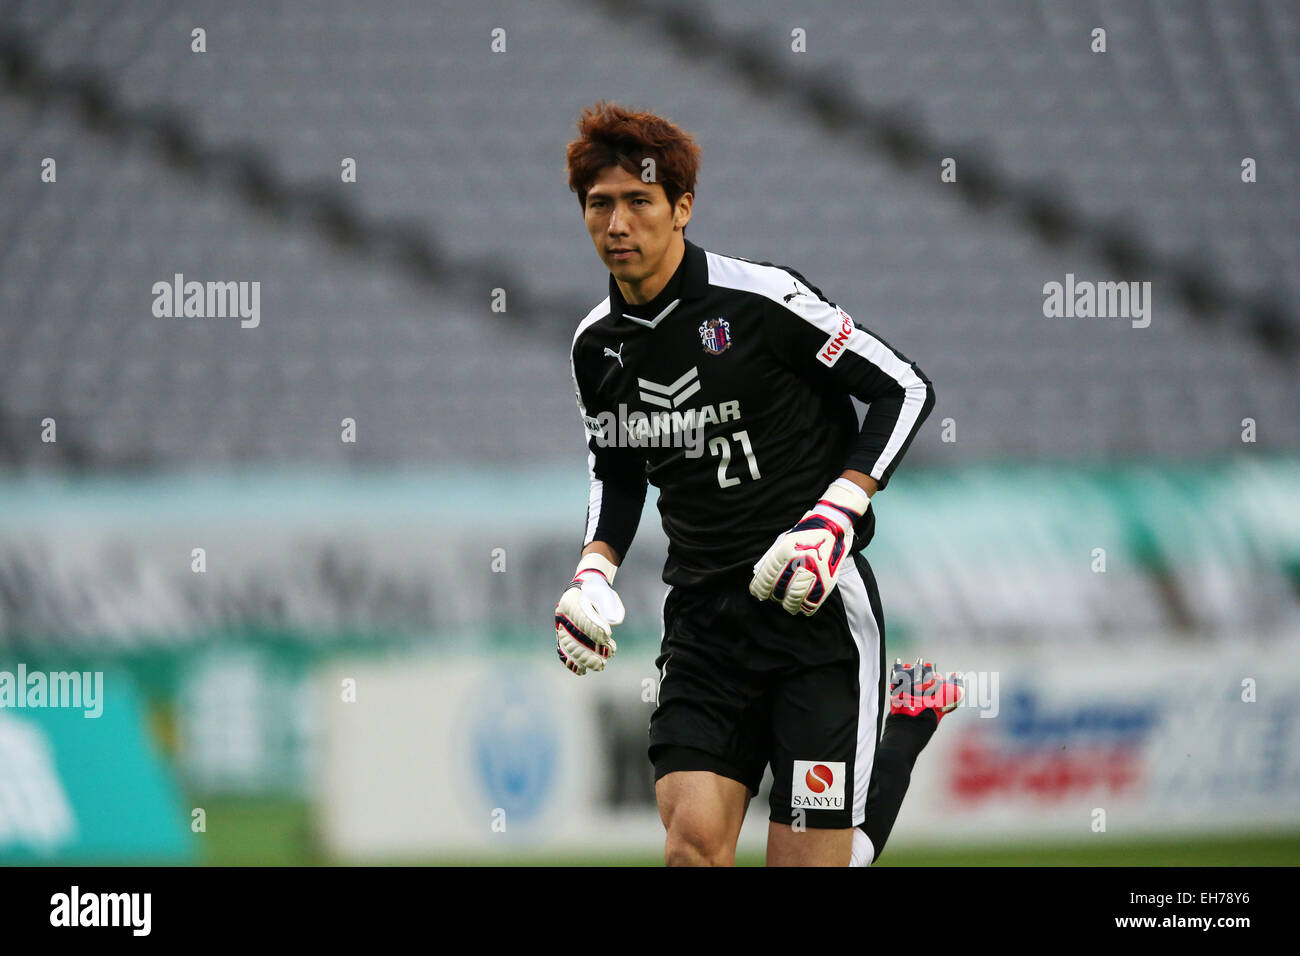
818 785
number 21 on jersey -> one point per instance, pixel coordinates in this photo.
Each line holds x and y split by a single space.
721 447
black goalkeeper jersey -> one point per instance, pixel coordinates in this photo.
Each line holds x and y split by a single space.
730 392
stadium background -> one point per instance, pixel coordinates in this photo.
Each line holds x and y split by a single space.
1104 517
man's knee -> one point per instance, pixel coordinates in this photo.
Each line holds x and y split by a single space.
694 842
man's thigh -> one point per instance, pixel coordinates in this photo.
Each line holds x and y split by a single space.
709 739
712 712
702 813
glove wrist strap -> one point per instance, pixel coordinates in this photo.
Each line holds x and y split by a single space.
597 562
843 502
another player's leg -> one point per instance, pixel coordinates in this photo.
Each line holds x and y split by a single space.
918 698
702 813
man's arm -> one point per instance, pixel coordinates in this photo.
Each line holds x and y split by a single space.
616 476
823 345
589 608
605 551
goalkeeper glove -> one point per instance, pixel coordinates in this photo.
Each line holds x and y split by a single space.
586 615
801 568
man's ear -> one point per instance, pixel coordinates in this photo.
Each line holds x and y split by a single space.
682 214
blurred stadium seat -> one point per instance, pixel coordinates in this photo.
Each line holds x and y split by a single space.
470 147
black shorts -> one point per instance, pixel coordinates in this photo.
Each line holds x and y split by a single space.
743 684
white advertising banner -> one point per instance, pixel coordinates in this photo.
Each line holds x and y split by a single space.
436 756
426 757
1123 744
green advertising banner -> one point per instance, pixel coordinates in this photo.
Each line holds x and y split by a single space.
80 778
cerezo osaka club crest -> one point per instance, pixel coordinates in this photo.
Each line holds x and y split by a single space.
715 336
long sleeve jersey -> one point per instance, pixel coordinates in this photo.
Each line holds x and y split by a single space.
731 393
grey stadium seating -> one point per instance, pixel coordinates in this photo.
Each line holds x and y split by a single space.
466 146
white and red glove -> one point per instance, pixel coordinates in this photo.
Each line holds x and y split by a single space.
586 615
801 568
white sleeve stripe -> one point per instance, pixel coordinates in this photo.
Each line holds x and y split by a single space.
593 501
596 492
595 315
880 355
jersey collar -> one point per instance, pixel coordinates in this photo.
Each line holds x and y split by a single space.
690 281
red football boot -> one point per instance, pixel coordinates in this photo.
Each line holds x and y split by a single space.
914 688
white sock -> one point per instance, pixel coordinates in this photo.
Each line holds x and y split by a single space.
863 851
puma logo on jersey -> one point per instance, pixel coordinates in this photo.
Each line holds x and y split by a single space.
797 292
830 352
670 396
616 355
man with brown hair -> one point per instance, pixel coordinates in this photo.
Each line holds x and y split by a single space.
773 647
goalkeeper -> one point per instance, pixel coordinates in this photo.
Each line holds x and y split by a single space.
773 647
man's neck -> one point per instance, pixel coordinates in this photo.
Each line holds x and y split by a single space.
649 287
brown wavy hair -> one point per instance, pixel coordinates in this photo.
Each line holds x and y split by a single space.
611 135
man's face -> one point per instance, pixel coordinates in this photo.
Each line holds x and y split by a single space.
631 223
